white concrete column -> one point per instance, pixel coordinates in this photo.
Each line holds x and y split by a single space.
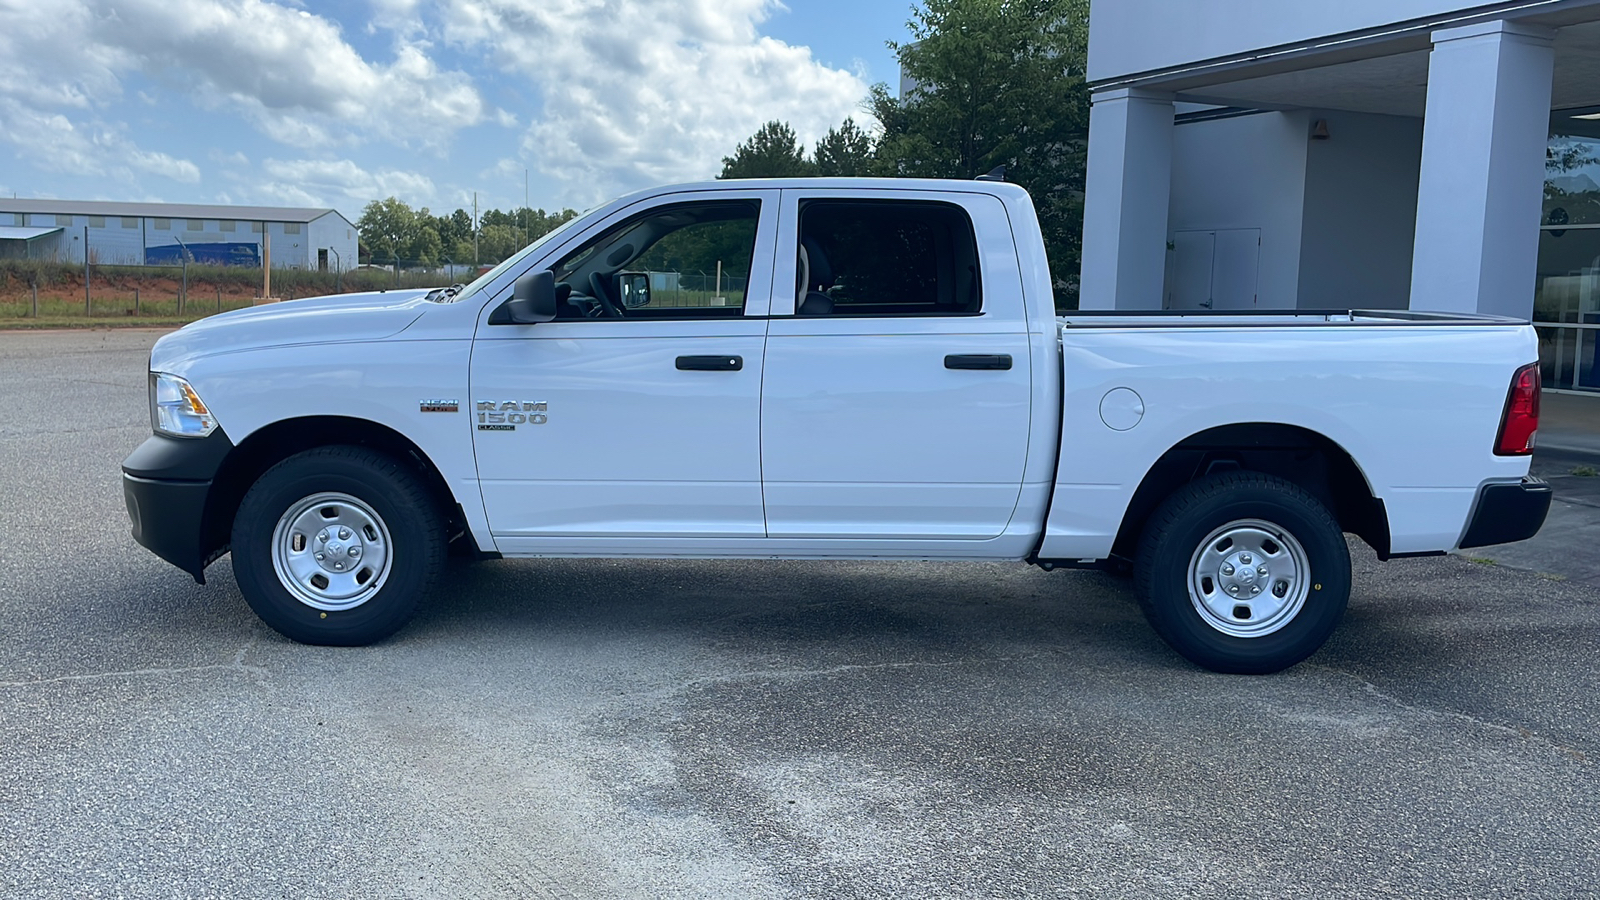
1128 187
1483 146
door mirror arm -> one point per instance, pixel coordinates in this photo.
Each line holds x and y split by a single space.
533 300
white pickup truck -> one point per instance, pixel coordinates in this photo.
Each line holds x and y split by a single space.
828 369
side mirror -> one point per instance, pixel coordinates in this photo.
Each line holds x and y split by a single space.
533 300
634 289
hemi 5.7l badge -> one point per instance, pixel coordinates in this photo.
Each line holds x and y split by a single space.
506 415
441 406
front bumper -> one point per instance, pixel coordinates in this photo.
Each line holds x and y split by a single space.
166 483
1508 512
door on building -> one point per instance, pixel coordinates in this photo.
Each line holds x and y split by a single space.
1214 269
322 259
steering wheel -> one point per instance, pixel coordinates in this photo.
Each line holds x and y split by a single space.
597 286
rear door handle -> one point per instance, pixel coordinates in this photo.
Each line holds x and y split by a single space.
712 363
978 361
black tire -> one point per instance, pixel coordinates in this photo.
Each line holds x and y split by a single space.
1171 550
413 544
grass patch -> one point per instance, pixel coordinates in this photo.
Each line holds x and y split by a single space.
1584 471
1482 560
58 322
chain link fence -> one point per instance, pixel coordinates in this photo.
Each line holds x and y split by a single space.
52 290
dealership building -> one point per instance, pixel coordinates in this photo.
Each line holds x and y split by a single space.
1421 154
164 233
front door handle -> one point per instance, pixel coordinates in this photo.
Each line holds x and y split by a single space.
978 361
710 363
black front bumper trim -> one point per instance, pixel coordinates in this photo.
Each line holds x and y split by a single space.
1508 512
166 519
165 484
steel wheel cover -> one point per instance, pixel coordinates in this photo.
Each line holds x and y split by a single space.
331 551
1249 578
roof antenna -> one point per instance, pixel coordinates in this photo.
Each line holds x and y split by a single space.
998 173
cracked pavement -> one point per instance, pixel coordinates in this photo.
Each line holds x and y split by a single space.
604 728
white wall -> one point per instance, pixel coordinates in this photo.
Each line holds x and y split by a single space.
1246 172
332 231
1360 212
1127 37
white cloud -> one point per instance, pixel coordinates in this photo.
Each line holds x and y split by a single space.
54 143
288 71
340 183
640 92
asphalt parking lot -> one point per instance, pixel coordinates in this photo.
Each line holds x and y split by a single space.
752 729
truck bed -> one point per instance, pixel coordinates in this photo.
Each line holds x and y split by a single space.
1179 318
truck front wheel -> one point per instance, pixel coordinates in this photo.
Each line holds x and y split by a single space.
336 545
1243 572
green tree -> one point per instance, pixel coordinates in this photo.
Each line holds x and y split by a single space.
425 246
459 229
843 151
496 242
772 152
388 227
999 82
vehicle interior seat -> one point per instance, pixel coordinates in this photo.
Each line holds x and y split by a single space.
814 277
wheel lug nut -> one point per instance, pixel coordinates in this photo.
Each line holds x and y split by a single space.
1244 558
321 556
1233 589
1255 590
354 551
344 534
323 535
1227 569
339 566
1262 571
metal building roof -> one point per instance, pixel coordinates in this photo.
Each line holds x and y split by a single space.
164 210
19 233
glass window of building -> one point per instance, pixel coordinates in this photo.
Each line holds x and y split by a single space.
63 220
291 228
1567 290
196 225
130 222
163 224
97 221
227 225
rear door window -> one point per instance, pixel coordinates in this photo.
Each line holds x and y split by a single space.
886 258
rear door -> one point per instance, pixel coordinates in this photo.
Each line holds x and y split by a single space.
896 398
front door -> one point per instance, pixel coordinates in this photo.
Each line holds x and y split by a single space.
636 414
897 394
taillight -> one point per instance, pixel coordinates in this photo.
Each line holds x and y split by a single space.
1520 424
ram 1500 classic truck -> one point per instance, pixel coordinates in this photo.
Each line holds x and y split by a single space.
828 369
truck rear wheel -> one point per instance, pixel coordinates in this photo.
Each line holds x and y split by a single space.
336 546
1243 572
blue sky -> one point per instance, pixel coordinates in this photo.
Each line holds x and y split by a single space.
338 102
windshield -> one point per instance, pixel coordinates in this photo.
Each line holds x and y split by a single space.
483 280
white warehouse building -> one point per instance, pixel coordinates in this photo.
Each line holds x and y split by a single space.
140 233
1422 154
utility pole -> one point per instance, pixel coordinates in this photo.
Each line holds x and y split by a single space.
474 230
88 310
183 257
524 206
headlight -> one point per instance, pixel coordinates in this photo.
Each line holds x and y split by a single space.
175 408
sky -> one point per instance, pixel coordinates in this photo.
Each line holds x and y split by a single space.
334 103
